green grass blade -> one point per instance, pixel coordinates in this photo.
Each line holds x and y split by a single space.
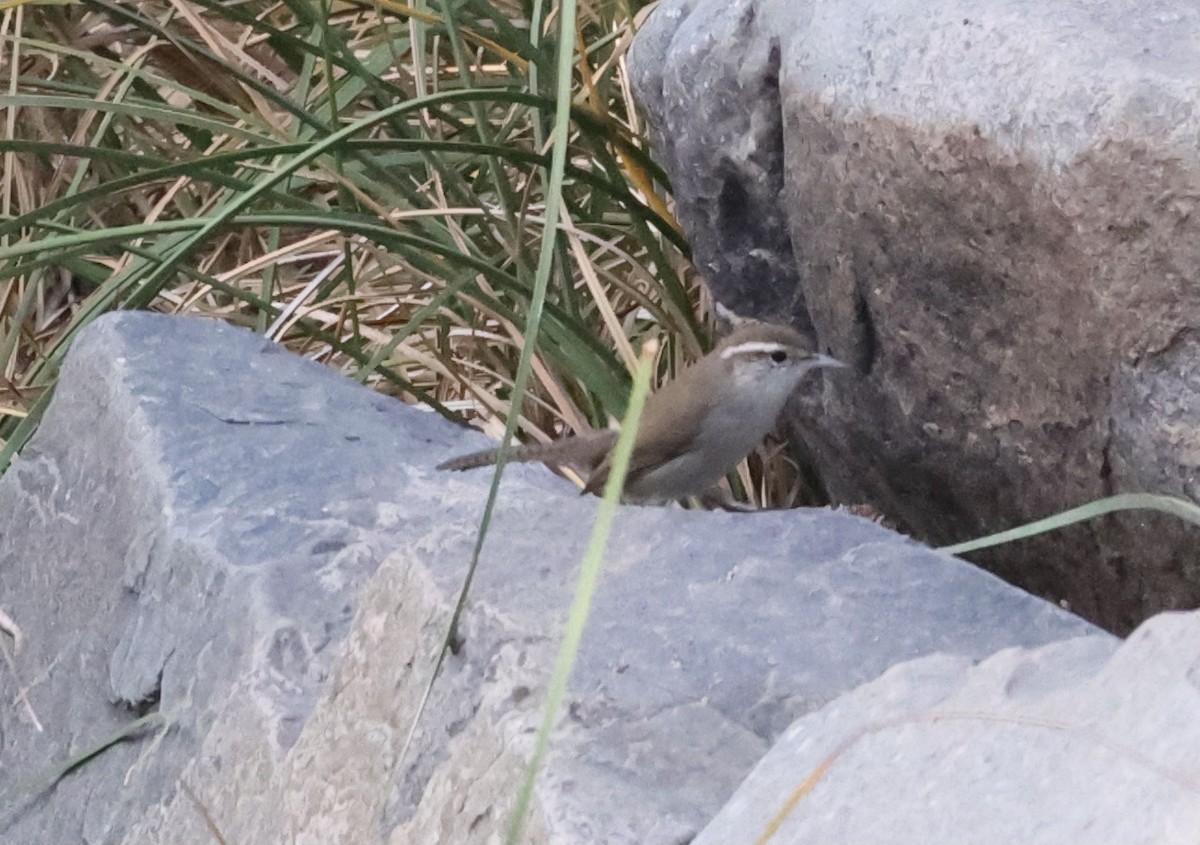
1182 508
42 781
585 587
541 283
533 323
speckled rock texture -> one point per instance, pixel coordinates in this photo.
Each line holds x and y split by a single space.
988 208
259 551
1074 743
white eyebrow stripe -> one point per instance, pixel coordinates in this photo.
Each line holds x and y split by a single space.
752 346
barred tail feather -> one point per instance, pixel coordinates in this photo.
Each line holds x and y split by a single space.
475 460
471 461
585 451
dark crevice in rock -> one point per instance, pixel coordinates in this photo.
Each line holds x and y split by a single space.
867 350
1106 469
732 201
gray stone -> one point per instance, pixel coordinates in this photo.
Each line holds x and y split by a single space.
1075 742
261 552
986 206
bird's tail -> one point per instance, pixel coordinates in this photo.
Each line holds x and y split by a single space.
587 450
480 459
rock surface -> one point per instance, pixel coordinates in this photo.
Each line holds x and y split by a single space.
987 206
259 551
1076 742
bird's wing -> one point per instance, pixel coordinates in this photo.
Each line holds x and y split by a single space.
660 439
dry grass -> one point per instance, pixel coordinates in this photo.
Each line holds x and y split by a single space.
364 182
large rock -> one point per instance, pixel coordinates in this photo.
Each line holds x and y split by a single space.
1076 742
987 207
261 552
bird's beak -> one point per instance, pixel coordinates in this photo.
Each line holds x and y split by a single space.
826 361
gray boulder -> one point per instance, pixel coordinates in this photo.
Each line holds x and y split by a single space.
1076 742
986 206
261 553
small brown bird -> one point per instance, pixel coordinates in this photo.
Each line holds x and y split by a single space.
696 427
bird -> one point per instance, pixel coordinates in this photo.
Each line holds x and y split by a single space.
695 428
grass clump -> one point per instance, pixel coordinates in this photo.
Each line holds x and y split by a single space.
364 182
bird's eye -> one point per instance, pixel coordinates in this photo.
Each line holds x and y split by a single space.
779 356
